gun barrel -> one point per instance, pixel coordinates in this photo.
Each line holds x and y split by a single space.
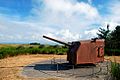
56 40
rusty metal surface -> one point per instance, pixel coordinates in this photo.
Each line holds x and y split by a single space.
90 52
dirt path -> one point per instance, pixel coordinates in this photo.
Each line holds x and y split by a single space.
10 68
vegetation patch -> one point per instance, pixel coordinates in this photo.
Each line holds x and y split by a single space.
6 51
115 70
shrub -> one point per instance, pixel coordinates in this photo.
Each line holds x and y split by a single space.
1 56
41 46
35 43
115 70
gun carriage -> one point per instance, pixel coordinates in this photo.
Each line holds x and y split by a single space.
84 52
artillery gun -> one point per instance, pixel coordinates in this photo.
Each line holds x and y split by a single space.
83 52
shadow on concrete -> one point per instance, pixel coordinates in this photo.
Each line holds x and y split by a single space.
62 66
52 67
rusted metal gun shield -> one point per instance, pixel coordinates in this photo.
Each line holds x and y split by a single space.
88 52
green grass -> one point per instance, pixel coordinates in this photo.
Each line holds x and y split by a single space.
115 70
14 50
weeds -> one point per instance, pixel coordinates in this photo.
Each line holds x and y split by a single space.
115 70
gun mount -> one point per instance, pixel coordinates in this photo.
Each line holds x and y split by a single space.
84 52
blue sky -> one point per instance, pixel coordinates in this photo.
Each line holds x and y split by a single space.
15 7
25 21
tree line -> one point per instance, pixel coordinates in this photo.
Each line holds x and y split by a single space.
112 40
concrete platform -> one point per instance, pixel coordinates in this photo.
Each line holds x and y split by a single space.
51 68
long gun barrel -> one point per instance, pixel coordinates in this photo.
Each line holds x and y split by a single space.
56 40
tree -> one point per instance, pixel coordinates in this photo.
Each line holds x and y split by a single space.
115 38
103 33
112 44
116 34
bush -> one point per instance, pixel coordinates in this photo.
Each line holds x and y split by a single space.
115 70
1 56
35 43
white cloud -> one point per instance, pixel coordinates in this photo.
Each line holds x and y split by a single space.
63 19
67 15
66 20
91 33
64 35
71 9
113 18
115 12
79 17
67 35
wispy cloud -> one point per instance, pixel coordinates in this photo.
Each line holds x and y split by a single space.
66 20
67 15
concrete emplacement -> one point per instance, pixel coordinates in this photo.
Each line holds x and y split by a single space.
62 68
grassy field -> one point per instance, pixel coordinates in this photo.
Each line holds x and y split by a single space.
15 56
11 67
7 50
